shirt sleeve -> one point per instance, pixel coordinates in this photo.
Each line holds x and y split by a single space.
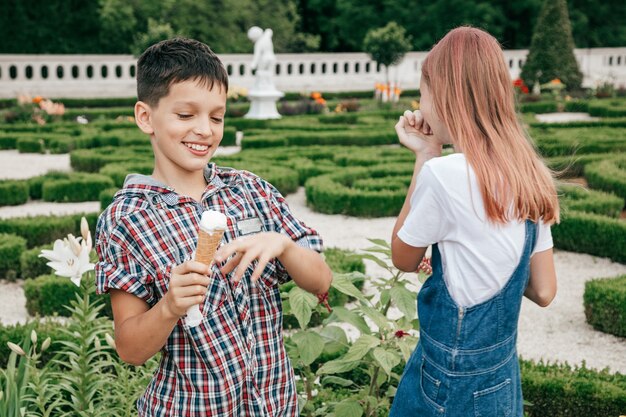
118 264
544 238
426 222
286 223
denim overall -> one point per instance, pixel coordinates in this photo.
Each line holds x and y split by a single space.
465 363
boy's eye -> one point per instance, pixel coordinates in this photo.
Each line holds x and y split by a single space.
217 119
183 115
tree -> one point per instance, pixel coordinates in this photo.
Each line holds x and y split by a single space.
551 53
387 45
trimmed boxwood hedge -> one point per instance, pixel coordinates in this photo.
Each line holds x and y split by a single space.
563 391
49 295
13 192
572 166
30 145
42 230
608 175
32 265
591 233
607 108
11 247
92 160
118 171
539 107
587 140
35 184
577 198
77 187
605 305
339 193
361 137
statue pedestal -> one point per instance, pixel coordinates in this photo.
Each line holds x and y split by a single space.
263 104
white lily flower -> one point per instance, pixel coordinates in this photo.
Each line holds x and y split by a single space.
84 227
69 259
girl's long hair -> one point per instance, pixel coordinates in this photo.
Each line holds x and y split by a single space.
473 97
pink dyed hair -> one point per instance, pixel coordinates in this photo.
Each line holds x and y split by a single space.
473 96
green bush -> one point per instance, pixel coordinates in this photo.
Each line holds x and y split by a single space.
605 305
344 119
11 247
16 333
572 166
31 264
577 106
30 145
608 175
118 171
49 295
559 141
560 391
39 230
539 107
13 192
607 108
106 197
230 137
368 137
96 113
92 160
346 193
8 141
97 102
576 198
591 233
35 184
77 187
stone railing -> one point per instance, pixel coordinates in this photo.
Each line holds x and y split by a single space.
114 75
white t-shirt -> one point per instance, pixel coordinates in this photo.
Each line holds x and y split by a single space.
478 257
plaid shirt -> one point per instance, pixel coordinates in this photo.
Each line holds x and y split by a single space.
234 363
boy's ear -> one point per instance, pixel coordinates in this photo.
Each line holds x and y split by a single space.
142 117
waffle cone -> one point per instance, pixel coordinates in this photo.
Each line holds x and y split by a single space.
207 245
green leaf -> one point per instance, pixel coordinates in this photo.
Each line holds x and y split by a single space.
361 347
337 366
375 259
380 242
336 381
343 283
404 300
342 314
348 408
302 304
384 297
376 316
335 339
386 359
405 349
310 345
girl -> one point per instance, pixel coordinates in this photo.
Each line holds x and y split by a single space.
487 211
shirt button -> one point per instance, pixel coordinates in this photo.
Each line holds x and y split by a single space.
162 212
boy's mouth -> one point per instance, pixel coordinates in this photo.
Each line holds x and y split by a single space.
196 147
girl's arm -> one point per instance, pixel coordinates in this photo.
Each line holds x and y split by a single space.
542 283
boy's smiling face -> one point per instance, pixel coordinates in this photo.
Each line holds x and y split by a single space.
185 127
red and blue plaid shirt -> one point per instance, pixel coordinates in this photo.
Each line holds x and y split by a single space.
234 363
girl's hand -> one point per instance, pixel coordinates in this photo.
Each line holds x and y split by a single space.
262 247
187 287
416 134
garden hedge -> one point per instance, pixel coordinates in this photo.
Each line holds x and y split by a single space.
42 230
376 191
30 145
605 305
591 233
13 192
585 140
32 265
563 391
35 184
607 108
92 160
8 141
577 198
572 166
608 175
369 137
118 171
11 247
77 187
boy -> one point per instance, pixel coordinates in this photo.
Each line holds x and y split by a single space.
234 363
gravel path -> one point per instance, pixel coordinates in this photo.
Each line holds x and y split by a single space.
556 333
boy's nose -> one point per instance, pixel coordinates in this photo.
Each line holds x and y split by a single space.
204 127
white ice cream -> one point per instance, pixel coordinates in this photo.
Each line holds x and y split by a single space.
212 220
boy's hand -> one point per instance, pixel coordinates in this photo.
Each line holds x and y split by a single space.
188 284
263 247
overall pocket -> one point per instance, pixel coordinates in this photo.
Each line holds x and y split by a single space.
430 386
495 401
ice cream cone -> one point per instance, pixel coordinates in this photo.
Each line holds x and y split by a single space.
207 245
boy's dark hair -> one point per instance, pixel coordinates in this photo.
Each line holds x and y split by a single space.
175 60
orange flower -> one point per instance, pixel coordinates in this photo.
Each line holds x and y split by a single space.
556 81
37 99
321 101
316 95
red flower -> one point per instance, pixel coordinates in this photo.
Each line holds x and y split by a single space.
400 334
323 299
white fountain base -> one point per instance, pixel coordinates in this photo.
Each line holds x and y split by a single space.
263 104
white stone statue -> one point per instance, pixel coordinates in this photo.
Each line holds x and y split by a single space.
263 95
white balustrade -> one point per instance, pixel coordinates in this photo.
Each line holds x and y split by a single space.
114 75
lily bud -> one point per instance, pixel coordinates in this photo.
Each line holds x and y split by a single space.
97 343
46 344
33 336
15 348
110 341
84 227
